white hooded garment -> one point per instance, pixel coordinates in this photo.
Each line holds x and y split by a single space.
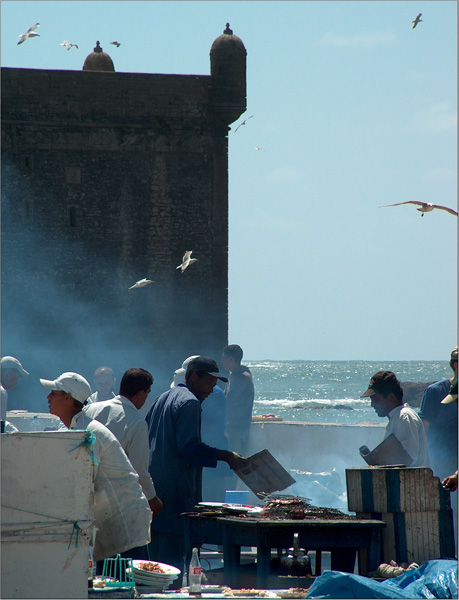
122 514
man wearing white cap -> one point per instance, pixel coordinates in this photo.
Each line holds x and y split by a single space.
11 371
121 511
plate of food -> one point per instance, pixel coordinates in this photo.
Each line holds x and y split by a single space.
244 593
150 567
292 593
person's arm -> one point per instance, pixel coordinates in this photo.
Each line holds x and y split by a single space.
156 505
429 406
450 483
233 459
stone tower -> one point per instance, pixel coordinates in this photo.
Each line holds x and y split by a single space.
108 178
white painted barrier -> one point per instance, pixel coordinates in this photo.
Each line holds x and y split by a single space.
47 514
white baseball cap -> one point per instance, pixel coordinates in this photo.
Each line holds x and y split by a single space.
72 383
9 362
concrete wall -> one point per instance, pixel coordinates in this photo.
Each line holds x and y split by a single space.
315 454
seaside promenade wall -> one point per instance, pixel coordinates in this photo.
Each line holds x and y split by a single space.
315 447
315 454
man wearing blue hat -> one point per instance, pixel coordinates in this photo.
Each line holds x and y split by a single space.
177 456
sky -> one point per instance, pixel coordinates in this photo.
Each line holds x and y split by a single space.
351 109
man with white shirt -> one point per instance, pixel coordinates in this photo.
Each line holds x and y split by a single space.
122 515
121 415
104 380
386 395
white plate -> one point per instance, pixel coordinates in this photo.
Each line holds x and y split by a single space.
238 508
209 589
255 510
152 580
155 576
212 504
151 583
168 569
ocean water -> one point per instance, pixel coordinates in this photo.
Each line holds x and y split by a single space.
329 391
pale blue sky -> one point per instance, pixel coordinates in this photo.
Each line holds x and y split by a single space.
353 109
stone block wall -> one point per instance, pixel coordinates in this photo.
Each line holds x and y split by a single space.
108 178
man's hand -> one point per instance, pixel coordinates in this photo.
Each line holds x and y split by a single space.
450 483
156 505
234 460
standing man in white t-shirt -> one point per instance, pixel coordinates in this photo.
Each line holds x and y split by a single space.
121 415
386 395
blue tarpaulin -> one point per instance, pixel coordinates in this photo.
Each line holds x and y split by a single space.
433 579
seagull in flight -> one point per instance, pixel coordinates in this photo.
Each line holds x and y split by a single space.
259 148
425 207
68 45
115 43
243 123
187 260
29 33
141 283
417 20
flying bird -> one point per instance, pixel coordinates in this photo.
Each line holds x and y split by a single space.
29 33
243 123
417 20
187 260
258 148
425 207
115 43
141 283
68 45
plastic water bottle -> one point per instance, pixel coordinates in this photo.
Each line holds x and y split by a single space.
35 424
195 574
184 575
90 569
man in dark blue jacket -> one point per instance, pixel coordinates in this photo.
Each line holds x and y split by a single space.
177 455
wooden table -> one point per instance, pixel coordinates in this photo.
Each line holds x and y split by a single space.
343 538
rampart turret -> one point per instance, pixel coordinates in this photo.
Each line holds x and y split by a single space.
228 75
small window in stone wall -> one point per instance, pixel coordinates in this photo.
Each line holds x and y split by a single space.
72 174
73 216
28 162
27 211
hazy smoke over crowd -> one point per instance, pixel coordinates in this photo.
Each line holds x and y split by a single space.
66 305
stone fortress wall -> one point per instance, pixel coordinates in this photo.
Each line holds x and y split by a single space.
108 178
